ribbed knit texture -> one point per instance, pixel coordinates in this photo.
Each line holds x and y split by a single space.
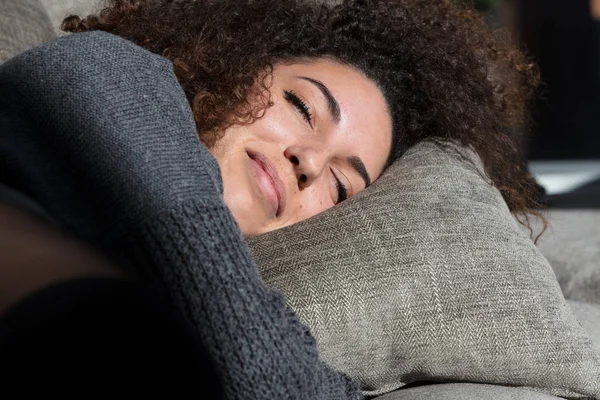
98 131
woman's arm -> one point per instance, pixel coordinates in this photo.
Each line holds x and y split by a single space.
33 255
106 143
66 312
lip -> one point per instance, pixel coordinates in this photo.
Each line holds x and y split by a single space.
272 187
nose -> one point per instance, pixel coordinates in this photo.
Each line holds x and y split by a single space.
308 163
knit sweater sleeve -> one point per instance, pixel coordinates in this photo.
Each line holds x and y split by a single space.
99 133
261 348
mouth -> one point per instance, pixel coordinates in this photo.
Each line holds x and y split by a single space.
269 182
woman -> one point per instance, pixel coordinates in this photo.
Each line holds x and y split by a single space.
301 106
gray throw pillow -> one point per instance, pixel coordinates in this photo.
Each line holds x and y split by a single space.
426 276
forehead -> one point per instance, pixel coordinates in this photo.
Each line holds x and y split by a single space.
343 80
365 117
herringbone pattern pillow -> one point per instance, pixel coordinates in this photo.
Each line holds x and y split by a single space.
426 276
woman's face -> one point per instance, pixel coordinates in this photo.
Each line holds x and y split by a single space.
326 137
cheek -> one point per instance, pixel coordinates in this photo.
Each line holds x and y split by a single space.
274 126
311 202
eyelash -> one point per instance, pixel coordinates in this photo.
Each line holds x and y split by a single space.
342 193
299 104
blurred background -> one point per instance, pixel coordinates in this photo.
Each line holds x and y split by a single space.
563 38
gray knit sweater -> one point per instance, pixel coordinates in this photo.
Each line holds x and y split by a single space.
98 132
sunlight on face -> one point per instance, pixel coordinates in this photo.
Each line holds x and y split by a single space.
326 137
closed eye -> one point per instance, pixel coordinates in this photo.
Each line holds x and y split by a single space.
300 105
341 189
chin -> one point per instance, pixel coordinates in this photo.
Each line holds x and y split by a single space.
248 226
242 197
250 231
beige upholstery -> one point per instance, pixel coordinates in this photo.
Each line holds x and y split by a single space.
23 24
58 9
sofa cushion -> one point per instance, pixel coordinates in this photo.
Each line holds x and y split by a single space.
59 9
572 246
23 24
588 315
465 391
426 276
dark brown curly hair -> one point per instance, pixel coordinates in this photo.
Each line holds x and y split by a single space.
444 74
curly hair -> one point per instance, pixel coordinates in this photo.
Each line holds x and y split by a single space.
444 74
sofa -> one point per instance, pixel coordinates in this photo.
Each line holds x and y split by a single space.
571 244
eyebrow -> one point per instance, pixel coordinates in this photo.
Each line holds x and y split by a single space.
359 167
332 103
